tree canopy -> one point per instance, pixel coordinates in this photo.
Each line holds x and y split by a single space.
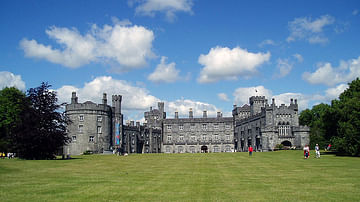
34 126
338 123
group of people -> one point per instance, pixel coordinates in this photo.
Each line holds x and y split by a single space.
9 155
307 151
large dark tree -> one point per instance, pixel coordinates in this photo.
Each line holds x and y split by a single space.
45 130
347 112
13 105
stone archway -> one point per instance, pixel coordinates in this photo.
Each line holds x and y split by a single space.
204 149
287 144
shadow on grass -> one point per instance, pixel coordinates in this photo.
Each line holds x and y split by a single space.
65 159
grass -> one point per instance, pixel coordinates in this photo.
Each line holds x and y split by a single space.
267 176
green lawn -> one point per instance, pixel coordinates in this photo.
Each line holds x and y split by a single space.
267 176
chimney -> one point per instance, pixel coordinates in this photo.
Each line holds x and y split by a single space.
150 108
137 124
234 106
104 100
205 114
191 115
176 115
291 101
296 101
219 114
273 101
131 123
74 99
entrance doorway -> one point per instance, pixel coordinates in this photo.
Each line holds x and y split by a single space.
287 144
204 149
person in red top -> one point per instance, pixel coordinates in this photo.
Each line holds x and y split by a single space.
250 150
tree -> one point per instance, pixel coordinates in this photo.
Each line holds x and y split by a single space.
44 132
347 111
13 106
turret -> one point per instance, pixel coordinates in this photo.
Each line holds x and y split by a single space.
104 100
191 115
116 104
74 99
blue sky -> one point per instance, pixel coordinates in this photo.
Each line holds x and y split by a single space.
200 54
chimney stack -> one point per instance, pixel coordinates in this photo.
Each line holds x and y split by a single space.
176 115
104 100
205 114
191 115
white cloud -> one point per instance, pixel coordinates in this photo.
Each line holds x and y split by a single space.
134 98
224 63
333 93
165 73
308 29
8 79
242 95
124 46
298 57
223 97
329 75
284 67
267 42
182 106
168 7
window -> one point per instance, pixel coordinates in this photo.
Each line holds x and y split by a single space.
192 149
216 149
193 138
81 128
81 118
167 149
133 141
147 143
168 127
181 138
204 126
192 126
169 137
73 138
99 129
216 126
91 138
181 127
216 137
227 137
99 118
227 126
227 148
181 149
204 137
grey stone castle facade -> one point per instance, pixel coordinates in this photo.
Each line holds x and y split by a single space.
99 128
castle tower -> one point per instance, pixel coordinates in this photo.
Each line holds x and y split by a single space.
256 103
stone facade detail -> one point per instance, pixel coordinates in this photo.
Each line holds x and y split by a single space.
263 126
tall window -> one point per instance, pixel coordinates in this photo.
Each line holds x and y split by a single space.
81 128
167 149
204 126
73 138
91 138
99 118
227 137
169 137
99 129
181 137
216 149
181 149
204 137
216 137
181 127
81 118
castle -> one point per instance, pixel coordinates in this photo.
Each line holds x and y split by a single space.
100 128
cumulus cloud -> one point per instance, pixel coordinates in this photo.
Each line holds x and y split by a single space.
182 106
284 66
223 97
298 57
8 79
267 42
123 45
134 98
329 75
165 73
333 93
310 30
242 95
225 63
168 7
